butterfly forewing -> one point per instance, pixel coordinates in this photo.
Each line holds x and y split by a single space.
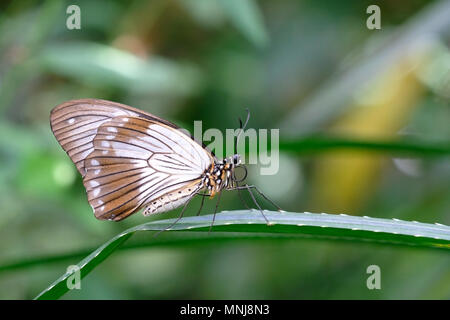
129 159
75 123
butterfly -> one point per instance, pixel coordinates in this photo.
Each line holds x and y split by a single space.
132 160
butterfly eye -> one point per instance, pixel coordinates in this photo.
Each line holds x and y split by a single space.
239 177
236 159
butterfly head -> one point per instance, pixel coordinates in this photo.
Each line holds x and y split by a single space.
231 163
234 160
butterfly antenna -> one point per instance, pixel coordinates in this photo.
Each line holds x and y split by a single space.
242 128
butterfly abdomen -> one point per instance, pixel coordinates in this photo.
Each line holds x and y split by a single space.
172 200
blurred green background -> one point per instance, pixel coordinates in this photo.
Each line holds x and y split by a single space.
306 67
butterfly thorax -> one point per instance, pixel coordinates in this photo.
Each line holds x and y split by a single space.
220 175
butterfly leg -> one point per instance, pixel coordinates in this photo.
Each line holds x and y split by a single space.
256 202
241 198
267 198
201 204
215 211
238 188
247 187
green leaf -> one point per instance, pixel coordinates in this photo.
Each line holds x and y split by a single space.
287 224
175 239
247 18
316 144
335 95
100 65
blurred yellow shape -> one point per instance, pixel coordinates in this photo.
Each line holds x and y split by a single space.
343 180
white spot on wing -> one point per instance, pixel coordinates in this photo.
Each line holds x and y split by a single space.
96 192
93 183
